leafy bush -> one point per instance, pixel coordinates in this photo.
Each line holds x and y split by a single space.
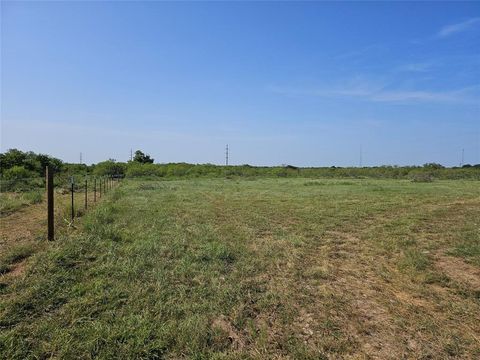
134 169
18 178
109 167
424 177
18 173
28 160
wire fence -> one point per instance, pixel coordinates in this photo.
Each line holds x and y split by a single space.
42 207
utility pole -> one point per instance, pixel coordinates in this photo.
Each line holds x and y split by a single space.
226 155
361 156
463 157
131 155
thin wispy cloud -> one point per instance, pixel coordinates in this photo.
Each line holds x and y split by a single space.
421 96
377 93
416 67
459 27
358 53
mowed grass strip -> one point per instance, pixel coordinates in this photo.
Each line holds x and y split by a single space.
287 268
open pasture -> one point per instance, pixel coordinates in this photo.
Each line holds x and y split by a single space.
264 268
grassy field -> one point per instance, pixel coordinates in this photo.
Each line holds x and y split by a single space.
267 268
11 202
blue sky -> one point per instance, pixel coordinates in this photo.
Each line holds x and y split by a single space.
297 83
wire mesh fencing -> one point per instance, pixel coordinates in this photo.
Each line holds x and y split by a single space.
40 207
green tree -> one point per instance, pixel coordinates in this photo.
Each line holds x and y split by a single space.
28 160
142 158
11 158
109 167
433 166
18 173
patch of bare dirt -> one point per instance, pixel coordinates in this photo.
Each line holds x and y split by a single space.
226 326
459 271
407 298
18 268
15 270
23 225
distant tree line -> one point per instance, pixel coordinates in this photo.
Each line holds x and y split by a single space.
18 164
15 164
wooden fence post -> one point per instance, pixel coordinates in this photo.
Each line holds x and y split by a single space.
50 214
95 190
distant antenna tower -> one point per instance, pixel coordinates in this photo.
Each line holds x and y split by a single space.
80 158
226 155
361 155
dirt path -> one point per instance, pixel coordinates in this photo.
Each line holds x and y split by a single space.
23 226
23 232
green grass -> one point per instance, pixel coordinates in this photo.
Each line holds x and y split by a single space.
11 202
267 268
14 255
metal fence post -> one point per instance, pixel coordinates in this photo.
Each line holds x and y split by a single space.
50 213
86 194
95 190
73 204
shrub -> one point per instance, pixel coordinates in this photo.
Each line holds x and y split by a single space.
424 177
109 167
18 173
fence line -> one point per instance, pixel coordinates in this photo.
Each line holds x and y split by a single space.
50 205
108 183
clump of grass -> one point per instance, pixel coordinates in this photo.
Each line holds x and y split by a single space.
414 259
146 187
78 211
33 197
329 182
14 255
314 183
100 223
4 268
11 202
469 245
422 178
317 273
18 253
